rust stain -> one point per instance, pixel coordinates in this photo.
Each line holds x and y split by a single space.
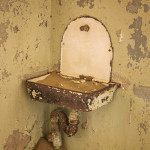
75 84
64 94
83 3
3 32
105 99
17 141
142 92
140 49
87 78
85 28
68 124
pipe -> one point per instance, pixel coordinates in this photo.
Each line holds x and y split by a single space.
68 124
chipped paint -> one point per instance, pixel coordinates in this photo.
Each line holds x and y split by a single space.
40 98
134 6
142 92
119 35
17 55
43 144
43 23
19 59
29 90
34 93
15 29
3 32
140 49
83 3
17 141
144 127
4 5
5 74
146 7
101 100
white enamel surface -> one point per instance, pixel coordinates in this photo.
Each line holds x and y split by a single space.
86 53
97 102
39 78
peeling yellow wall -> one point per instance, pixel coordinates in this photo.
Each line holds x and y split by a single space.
30 36
25 28
124 124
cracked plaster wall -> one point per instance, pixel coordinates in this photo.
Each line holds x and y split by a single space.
24 53
124 124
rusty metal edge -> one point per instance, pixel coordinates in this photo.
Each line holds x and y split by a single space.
77 100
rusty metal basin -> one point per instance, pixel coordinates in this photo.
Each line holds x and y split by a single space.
76 93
